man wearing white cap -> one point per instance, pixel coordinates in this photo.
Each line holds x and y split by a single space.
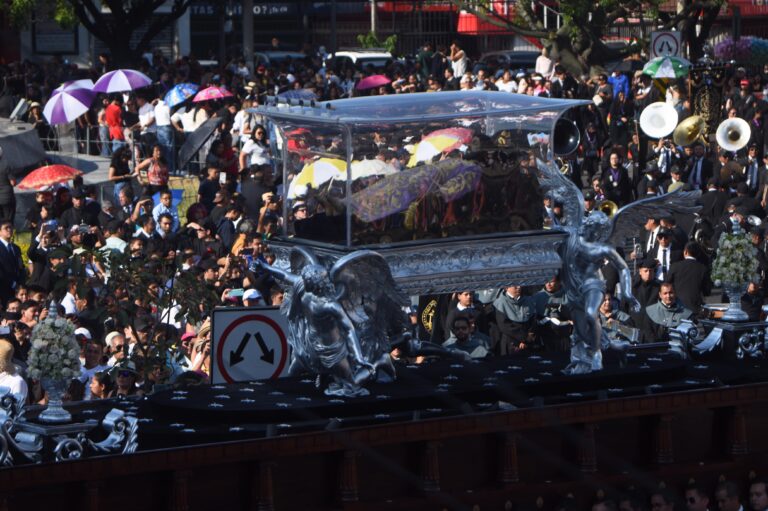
252 298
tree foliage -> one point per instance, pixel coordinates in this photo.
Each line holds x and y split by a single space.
579 44
114 28
370 40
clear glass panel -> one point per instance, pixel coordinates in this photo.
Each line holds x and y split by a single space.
420 166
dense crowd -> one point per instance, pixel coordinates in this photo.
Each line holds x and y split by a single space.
79 242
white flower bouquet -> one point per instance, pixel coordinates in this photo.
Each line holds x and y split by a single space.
55 352
736 261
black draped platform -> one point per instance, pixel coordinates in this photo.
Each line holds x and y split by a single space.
441 388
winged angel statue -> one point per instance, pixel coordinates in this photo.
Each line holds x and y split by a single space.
590 243
341 321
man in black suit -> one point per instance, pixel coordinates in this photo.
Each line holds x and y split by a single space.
701 168
751 168
713 202
665 253
12 272
745 200
690 278
615 181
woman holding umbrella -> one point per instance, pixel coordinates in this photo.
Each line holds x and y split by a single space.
156 170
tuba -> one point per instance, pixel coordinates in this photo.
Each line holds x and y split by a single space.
690 130
658 119
733 134
607 207
566 137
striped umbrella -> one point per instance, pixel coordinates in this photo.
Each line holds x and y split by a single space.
316 173
121 80
69 101
666 67
180 93
47 176
210 93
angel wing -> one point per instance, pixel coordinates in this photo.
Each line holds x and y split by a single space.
629 219
299 257
371 299
562 190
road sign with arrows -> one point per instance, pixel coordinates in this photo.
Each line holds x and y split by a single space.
248 343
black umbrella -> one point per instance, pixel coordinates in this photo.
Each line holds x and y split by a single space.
196 140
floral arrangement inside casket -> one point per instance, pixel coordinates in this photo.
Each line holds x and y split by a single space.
736 262
55 353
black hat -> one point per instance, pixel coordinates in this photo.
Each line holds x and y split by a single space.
664 232
589 195
742 210
209 264
58 253
648 263
78 193
141 324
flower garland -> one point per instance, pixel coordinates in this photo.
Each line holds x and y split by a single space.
55 352
736 261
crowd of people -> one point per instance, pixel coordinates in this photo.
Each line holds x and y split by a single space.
240 202
725 496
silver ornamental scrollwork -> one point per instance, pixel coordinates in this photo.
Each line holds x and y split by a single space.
452 265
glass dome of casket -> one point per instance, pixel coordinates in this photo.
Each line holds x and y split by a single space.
404 107
405 167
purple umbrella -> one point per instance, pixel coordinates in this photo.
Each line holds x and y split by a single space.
69 101
371 82
121 80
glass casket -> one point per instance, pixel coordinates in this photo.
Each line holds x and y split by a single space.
442 184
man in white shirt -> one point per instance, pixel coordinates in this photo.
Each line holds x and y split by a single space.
165 132
146 123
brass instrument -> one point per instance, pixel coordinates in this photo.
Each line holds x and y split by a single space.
690 130
566 137
607 207
658 119
733 134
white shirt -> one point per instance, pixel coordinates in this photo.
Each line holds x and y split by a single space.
17 385
510 86
68 302
664 259
162 114
146 118
257 153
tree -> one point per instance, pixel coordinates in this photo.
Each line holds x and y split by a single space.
113 28
578 44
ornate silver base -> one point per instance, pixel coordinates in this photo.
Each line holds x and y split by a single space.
23 442
54 412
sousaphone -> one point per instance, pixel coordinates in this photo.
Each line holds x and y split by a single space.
733 134
658 119
690 130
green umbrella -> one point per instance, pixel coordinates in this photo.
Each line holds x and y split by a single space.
666 67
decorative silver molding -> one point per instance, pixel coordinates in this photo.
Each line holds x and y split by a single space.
456 264
23 442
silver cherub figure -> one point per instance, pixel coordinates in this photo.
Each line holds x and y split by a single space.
590 244
341 321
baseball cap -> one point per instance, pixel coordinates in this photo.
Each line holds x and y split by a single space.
648 263
78 193
251 294
83 332
744 83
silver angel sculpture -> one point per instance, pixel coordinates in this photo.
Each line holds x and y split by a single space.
590 243
342 321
